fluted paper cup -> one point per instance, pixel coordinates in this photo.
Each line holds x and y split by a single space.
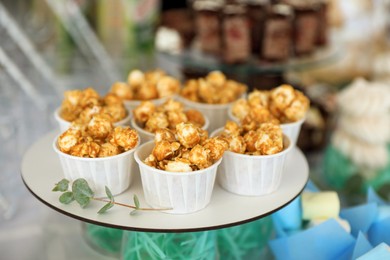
216 113
147 136
115 172
64 125
252 175
182 192
292 130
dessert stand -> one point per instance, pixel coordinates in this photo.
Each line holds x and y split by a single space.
41 169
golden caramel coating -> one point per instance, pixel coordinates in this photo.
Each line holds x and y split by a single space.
89 97
144 111
213 89
195 117
73 97
100 126
165 150
297 108
178 165
135 78
117 112
164 134
156 120
154 76
151 161
108 149
248 124
68 139
259 98
216 78
167 86
175 118
232 128
112 99
87 149
240 108
270 140
171 105
87 114
204 135
200 156
188 134
282 96
146 92
236 144
125 137
122 90
250 139
217 146
261 115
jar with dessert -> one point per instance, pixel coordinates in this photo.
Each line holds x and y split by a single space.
235 34
277 39
208 24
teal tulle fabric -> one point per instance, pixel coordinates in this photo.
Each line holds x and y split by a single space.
342 174
247 241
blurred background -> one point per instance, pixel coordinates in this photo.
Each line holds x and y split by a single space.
50 46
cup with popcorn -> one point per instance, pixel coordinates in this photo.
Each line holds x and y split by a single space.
178 171
80 106
283 104
254 162
212 95
155 86
148 117
100 153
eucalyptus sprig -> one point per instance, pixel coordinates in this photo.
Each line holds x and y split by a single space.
83 194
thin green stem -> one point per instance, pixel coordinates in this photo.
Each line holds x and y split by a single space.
129 206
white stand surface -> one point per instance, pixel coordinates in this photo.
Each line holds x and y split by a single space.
41 169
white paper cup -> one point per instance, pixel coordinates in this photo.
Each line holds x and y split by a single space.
183 192
252 175
292 130
132 104
115 172
147 136
216 113
64 125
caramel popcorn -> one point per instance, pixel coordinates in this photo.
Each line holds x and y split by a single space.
213 89
168 115
265 139
184 152
97 139
124 137
80 106
283 104
146 86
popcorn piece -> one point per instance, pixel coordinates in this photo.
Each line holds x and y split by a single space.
164 134
240 108
165 150
151 161
135 78
146 92
117 112
217 146
200 156
112 99
178 165
270 140
73 97
167 86
144 111
232 128
108 149
172 105
282 96
190 90
88 149
297 108
100 126
195 117
89 97
250 139
122 90
156 121
175 118
68 139
87 114
188 134
124 137
216 78
236 144
154 76
259 98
